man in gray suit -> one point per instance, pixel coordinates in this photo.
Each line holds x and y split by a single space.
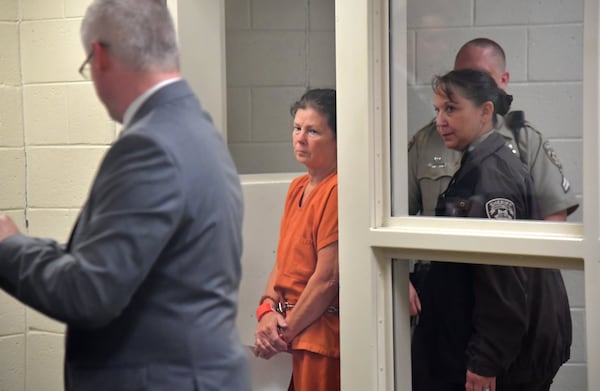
148 282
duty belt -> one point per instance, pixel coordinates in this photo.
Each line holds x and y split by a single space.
283 306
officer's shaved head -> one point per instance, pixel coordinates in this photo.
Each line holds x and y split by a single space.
486 55
494 51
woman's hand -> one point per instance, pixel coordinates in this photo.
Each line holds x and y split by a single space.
479 383
267 338
415 303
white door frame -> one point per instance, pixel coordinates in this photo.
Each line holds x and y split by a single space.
201 31
370 238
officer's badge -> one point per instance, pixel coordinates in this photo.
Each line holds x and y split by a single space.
500 208
437 162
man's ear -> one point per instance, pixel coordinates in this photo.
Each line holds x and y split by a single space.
504 79
103 59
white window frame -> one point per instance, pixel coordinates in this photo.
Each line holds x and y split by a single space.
370 238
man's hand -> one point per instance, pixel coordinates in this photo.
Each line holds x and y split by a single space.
476 382
7 227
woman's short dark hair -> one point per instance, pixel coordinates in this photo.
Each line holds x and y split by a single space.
322 100
475 86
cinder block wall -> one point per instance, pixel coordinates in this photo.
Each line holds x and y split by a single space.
53 132
12 193
544 48
276 49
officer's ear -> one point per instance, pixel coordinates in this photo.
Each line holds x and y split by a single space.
504 79
487 111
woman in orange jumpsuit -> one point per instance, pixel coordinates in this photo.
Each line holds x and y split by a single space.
298 312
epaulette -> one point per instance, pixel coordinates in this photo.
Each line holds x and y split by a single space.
515 121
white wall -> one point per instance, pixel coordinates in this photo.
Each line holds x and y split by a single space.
276 49
53 131
264 196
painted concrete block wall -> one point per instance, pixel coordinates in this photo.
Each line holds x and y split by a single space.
12 195
544 49
53 132
276 49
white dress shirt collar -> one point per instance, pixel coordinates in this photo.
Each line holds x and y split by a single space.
139 101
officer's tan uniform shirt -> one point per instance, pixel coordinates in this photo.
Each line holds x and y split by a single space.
431 166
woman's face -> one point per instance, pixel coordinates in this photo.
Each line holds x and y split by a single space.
458 121
313 140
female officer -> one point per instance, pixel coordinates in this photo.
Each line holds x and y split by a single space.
486 327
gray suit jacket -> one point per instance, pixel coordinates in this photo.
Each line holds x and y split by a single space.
148 283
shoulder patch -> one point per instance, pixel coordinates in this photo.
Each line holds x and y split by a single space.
552 155
500 208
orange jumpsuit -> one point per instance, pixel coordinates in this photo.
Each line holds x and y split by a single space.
305 229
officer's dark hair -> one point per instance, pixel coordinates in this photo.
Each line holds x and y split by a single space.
475 86
322 100
485 43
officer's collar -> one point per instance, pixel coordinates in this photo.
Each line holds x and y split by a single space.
475 143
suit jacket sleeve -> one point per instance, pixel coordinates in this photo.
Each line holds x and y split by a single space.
132 211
